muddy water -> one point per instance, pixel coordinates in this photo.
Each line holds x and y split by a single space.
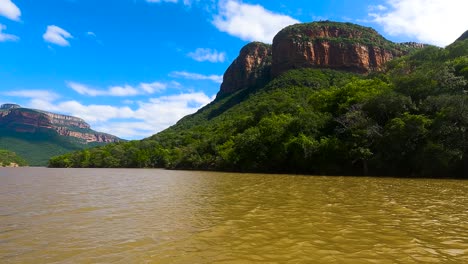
158 216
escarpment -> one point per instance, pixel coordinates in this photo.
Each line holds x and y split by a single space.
325 44
24 120
250 69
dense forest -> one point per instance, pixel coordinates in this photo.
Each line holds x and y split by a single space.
7 158
410 120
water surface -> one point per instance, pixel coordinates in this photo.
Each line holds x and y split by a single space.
159 216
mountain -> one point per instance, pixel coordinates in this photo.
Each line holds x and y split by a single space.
37 135
325 98
325 44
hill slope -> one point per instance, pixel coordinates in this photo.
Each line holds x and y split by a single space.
38 135
8 158
409 118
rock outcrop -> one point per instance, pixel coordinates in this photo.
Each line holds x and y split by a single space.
342 46
250 69
24 120
325 44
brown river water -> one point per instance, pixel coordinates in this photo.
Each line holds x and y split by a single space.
160 216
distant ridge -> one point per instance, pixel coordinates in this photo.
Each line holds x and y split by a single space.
28 131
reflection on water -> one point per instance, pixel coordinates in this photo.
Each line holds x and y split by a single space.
158 216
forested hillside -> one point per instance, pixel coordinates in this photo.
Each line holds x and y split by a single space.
8 158
410 120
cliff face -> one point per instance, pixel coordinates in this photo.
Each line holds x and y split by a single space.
250 69
342 46
23 120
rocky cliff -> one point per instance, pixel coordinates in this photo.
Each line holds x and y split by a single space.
24 120
250 69
342 46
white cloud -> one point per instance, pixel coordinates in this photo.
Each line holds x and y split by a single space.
161 1
185 2
125 90
197 76
153 87
9 10
85 90
250 22
147 119
90 33
438 22
6 37
95 113
377 8
46 95
201 54
126 130
57 35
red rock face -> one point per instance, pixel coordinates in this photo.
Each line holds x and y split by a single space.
24 120
250 69
330 47
341 46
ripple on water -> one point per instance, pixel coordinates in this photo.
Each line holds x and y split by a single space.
157 216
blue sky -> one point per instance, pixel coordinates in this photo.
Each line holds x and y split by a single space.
134 67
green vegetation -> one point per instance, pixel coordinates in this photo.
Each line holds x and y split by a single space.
411 120
38 148
7 158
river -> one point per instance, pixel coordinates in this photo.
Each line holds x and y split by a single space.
161 216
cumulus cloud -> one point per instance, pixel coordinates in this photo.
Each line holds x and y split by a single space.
196 76
148 118
131 120
437 22
9 10
156 115
6 37
210 55
124 90
153 87
57 35
95 113
250 22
